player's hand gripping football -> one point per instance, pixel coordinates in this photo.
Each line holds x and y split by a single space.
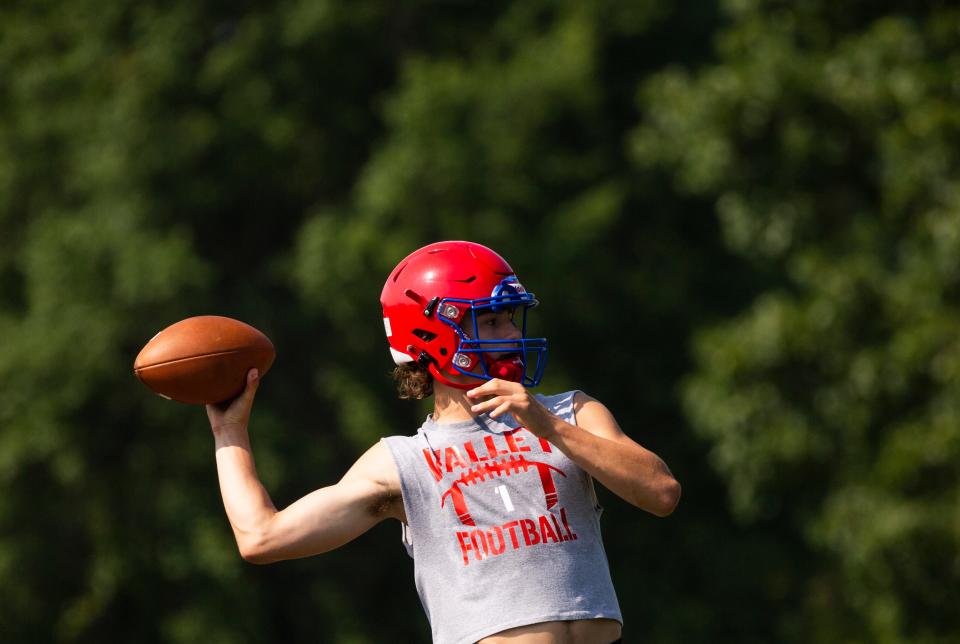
234 414
502 396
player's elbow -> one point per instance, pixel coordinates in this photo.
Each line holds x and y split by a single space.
667 497
256 556
255 549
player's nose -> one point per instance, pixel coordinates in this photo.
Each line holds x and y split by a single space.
512 332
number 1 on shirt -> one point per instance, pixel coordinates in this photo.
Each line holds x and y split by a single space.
505 495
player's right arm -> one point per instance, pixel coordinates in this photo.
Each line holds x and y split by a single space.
321 521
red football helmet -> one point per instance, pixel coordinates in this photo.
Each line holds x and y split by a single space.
426 301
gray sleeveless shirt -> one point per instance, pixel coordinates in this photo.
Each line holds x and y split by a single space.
502 526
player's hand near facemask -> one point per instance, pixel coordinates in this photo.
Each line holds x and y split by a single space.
499 397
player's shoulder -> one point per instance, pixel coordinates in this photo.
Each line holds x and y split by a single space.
400 446
376 465
582 399
595 417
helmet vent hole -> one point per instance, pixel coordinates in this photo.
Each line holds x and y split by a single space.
424 335
468 280
416 297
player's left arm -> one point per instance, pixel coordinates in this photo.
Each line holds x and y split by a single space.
596 443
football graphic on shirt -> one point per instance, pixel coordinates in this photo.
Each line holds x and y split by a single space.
509 466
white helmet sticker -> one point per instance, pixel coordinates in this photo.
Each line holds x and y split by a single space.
386 327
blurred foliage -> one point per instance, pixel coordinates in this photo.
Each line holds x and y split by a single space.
741 220
830 148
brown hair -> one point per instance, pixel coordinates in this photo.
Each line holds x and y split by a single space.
413 381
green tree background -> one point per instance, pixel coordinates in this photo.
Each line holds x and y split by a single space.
742 219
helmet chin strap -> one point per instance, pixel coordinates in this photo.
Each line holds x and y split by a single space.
508 368
450 383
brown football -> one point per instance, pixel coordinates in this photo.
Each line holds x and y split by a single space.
203 359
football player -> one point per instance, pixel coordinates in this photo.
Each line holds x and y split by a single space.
494 491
